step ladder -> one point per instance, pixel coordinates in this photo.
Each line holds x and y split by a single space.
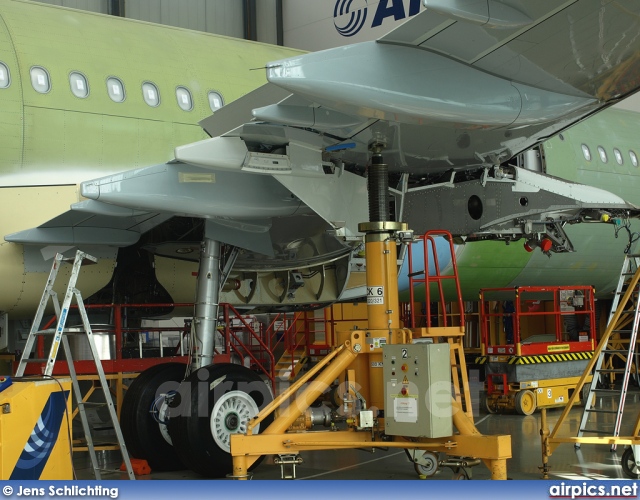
603 396
59 336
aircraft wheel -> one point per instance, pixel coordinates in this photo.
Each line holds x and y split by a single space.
629 466
215 402
143 419
525 402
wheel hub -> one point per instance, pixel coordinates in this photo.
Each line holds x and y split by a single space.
230 415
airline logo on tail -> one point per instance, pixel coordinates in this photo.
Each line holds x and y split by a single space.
350 16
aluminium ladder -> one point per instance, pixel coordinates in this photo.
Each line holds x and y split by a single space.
606 397
60 337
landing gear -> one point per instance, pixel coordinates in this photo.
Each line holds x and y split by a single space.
212 404
143 416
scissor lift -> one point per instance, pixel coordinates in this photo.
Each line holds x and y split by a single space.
536 342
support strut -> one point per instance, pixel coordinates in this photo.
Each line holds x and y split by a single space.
205 316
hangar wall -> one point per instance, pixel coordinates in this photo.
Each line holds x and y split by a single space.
223 17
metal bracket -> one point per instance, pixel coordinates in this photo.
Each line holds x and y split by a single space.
6 408
288 464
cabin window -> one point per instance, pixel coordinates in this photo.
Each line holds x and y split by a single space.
634 158
603 154
79 85
618 155
586 152
40 80
215 101
115 88
150 94
184 98
5 80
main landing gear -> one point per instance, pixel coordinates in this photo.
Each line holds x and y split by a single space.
175 422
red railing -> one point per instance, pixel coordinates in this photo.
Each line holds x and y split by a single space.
261 357
259 353
436 277
511 309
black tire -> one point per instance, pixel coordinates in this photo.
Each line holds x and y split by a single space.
140 430
215 386
629 466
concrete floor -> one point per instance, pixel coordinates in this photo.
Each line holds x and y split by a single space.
591 461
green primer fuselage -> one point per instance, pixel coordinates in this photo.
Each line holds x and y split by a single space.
599 254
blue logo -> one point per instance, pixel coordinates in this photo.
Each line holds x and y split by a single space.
43 438
348 19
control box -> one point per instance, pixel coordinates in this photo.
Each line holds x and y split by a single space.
418 391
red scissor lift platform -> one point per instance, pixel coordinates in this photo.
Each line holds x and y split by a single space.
536 343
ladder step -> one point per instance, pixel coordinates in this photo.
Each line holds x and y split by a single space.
91 403
595 431
36 360
612 370
597 410
615 351
65 331
612 391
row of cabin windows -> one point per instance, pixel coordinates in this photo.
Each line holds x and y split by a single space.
602 153
115 88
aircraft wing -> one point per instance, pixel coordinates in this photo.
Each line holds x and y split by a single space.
464 84
451 97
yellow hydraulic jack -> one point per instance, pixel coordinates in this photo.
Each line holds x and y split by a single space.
369 361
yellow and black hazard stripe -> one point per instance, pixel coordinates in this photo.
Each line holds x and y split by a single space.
549 358
481 360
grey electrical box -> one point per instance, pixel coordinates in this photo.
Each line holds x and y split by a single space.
417 390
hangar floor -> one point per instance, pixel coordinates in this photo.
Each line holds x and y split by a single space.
591 461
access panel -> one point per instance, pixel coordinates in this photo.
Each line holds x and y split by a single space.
417 390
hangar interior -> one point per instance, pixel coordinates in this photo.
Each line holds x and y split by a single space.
517 361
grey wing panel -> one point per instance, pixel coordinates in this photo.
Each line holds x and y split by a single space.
81 227
581 47
232 116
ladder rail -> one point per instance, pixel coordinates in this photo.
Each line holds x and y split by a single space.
60 338
62 315
596 360
618 314
627 369
103 383
35 325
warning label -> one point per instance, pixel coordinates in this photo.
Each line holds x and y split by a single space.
375 295
405 410
558 347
